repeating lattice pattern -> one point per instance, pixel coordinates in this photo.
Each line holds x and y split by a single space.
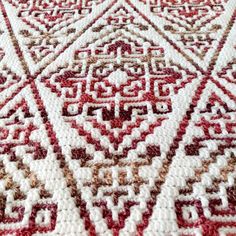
118 117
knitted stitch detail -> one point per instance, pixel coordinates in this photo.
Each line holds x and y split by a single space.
118 117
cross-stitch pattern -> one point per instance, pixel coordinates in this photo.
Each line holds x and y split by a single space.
118 117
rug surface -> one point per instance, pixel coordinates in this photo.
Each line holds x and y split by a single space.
118 117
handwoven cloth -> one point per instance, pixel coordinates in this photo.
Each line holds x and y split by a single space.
118 117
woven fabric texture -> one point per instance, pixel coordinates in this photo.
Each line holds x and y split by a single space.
118 117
